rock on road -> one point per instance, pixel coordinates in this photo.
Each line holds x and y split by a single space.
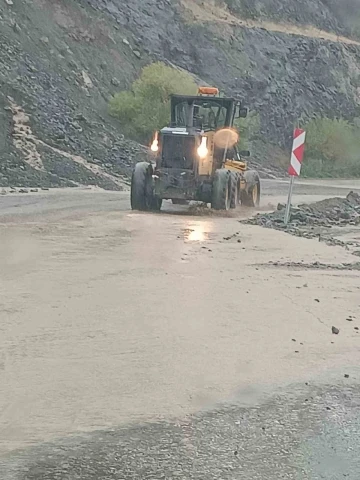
165 346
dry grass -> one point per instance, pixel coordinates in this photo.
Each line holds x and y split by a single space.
214 13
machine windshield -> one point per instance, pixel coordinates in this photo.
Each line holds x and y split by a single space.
204 114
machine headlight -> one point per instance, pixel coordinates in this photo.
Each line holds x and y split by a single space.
155 144
203 150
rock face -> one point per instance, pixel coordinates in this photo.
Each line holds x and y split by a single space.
59 69
61 62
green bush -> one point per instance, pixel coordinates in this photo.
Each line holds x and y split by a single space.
332 148
145 108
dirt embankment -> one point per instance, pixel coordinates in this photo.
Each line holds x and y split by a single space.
221 14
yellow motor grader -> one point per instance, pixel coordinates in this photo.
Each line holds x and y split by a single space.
197 158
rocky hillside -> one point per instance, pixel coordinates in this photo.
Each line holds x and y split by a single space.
61 60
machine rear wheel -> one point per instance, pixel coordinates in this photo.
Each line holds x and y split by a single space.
221 190
234 197
155 204
142 196
250 197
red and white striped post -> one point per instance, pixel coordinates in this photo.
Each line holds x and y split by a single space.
297 155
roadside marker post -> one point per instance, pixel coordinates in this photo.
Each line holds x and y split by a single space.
297 155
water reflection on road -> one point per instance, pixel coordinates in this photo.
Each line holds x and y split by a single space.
197 231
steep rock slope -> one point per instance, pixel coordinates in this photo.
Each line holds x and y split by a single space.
60 63
62 60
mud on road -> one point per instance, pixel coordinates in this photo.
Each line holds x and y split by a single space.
112 318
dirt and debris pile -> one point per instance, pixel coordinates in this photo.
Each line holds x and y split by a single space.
355 266
326 213
330 212
316 220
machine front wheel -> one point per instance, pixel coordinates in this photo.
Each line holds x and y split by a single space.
234 197
221 190
142 197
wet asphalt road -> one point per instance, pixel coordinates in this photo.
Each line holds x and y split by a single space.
303 432
306 433
65 203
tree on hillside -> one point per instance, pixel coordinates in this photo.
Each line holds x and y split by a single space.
145 108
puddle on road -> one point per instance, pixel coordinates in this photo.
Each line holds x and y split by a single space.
200 232
195 235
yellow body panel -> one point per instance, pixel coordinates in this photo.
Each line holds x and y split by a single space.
239 167
235 166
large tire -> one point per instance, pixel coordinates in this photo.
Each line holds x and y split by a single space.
221 190
234 196
239 190
142 193
250 197
139 186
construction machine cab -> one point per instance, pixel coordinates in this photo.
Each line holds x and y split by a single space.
202 113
